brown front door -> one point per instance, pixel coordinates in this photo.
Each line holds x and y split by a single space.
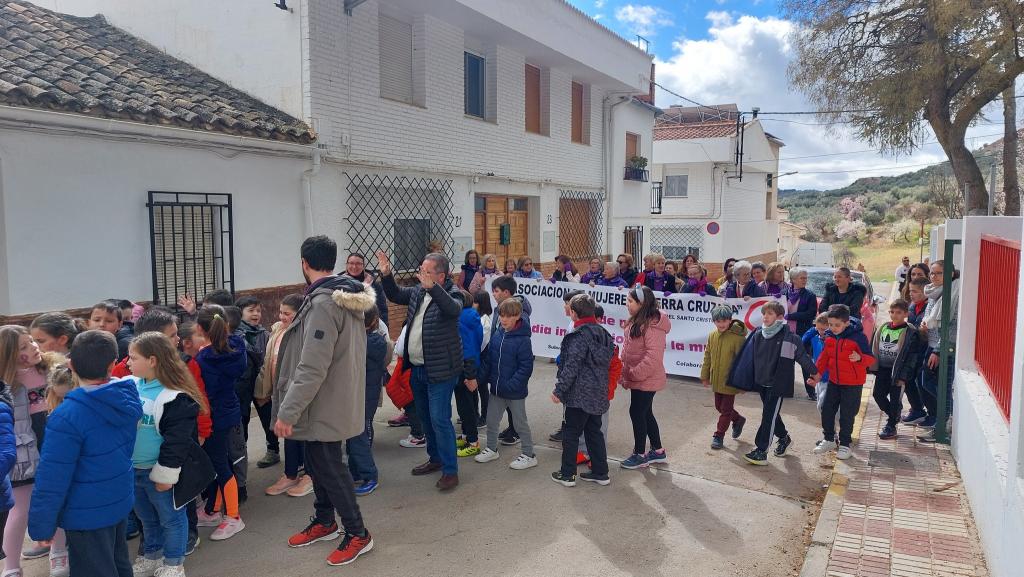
491 213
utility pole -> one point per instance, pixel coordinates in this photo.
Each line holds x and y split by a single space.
920 242
992 189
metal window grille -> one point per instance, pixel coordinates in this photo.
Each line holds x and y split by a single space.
400 215
191 244
633 243
656 191
580 223
677 242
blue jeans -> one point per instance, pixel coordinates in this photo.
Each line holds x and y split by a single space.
164 529
359 448
929 380
434 405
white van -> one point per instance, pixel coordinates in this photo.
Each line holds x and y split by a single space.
813 254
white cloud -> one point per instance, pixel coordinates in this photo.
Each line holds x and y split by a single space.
643 19
743 60
599 4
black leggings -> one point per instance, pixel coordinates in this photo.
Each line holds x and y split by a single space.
645 426
465 404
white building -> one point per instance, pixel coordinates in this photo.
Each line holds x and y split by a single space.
501 126
790 236
988 389
718 191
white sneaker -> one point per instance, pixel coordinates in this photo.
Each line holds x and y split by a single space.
228 529
844 453
523 461
823 447
143 567
486 456
11 573
59 565
411 442
206 520
170 571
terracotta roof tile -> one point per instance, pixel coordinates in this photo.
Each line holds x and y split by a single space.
86 66
691 130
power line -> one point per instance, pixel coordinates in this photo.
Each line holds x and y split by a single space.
879 168
866 150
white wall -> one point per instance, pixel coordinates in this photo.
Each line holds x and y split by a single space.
986 447
252 46
629 201
77 226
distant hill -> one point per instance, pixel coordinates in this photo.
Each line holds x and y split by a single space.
881 201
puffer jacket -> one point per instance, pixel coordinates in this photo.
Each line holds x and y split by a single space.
320 387
643 358
8 447
256 337
220 373
852 298
85 479
765 363
719 354
471 331
442 347
835 357
582 381
509 361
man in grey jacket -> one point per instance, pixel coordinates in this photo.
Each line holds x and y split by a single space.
318 396
433 352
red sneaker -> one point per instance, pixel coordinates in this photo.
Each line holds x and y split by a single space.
315 532
350 549
581 458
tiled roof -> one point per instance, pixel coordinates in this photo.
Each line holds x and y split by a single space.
691 130
86 66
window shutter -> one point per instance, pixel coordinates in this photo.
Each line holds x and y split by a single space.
474 78
532 99
677 186
632 145
577 112
395 59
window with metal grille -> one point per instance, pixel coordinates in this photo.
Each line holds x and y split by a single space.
580 224
401 216
191 244
633 241
677 186
475 78
677 242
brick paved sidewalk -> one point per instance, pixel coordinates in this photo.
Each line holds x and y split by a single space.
903 512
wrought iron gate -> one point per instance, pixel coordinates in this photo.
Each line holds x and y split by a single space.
633 243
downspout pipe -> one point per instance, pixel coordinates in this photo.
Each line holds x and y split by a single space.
606 162
307 189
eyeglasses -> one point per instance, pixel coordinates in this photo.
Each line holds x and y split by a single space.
935 273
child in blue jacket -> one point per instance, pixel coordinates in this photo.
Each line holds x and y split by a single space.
814 342
85 479
379 349
508 368
8 455
471 332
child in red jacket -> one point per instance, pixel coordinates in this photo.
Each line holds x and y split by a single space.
846 357
614 372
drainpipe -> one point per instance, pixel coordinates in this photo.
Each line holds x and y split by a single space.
307 189
606 162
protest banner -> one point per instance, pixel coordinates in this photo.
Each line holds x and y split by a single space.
690 315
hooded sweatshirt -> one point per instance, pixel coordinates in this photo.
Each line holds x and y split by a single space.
852 298
220 372
85 479
719 355
472 334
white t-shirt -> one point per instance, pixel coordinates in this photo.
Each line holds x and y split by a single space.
901 272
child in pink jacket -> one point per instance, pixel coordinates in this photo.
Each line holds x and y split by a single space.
643 373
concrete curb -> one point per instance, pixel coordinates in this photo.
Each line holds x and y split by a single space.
824 535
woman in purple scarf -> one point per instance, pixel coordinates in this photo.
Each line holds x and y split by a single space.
489 269
659 280
774 284
801 304
696 280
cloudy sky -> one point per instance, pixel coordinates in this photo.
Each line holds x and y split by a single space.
737 51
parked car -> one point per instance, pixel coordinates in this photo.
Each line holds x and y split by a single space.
819 277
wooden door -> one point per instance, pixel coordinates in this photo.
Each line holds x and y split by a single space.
491 213
632 146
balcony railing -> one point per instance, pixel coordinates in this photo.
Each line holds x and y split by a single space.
655 198
996 321
637 174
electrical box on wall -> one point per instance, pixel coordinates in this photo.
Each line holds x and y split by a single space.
506 234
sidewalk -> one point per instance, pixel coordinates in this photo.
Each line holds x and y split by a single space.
897 508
